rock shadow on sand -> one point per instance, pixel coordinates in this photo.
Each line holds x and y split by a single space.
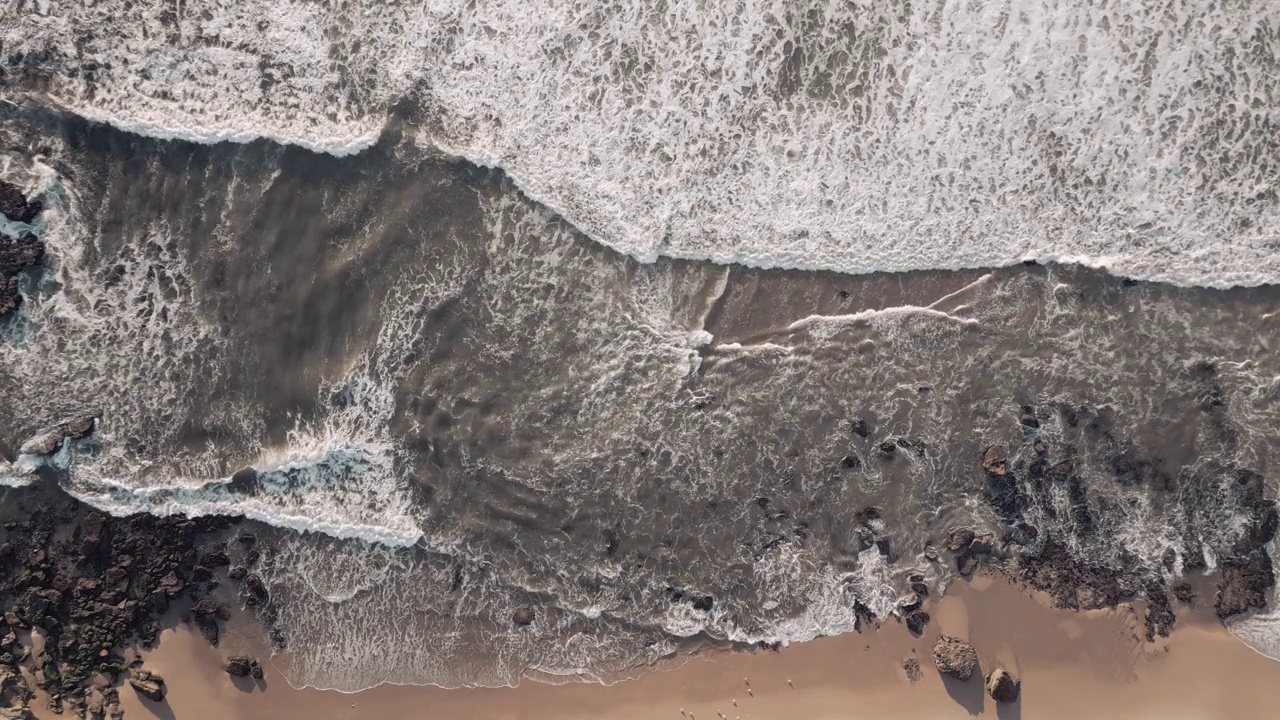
970 694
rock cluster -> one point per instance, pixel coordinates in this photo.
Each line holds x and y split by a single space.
243 666
91 584
16 254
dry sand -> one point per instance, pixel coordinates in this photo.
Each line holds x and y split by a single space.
1072 666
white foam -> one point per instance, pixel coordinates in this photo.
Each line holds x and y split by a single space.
331 494
849 137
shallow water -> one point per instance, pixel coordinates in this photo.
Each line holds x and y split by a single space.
460 406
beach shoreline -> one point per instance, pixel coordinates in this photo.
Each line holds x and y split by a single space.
1071 664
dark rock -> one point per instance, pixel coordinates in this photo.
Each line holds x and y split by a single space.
995 460
255 669
239 665
215 559
704 603
1027 417
15 205
860 427
245 482
955 657
247 538
1003 687
256 589
916 621
1075 584
523 616
251 558
1159 617
1184 593
1244 584
238 572
171 585
887 450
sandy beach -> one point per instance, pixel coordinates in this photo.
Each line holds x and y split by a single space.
1072 665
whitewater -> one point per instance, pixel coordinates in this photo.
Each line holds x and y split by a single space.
425 374
856 136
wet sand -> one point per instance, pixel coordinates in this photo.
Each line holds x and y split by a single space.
1072 665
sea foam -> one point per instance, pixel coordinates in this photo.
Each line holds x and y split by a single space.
855 137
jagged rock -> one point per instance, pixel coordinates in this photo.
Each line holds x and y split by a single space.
171 585
1027 417
238 572
1002 687
15 205
1159 618
1184 593
955 657
49 440
959 539
1244 584
215 559
149 685
239 665
916 621
995 460
255 670
523 616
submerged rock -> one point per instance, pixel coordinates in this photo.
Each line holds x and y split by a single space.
955 657
1003 687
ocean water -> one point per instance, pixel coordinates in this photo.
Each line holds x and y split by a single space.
571 308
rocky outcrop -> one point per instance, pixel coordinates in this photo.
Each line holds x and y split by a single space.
16 256
969 548
1003 687
50 440
15 205
91 583
149 685
1244 584
955 657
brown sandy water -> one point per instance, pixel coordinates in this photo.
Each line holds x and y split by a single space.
1072 665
